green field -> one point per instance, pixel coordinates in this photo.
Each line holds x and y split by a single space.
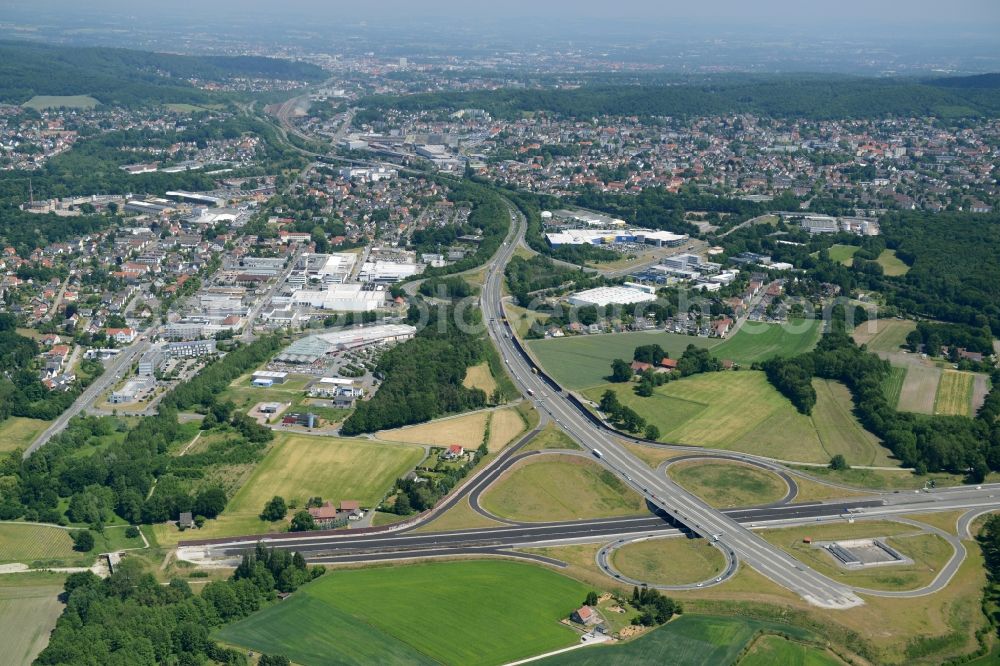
18 432
883 335
584 361
29 608
726 485
954 393
482 612
675 561
892 265
41 545
690 640
770 649
757 341
559 487
843 253
839 431
739 411
298 467
929 553
40 102
893 385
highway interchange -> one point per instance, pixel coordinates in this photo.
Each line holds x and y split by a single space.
674 511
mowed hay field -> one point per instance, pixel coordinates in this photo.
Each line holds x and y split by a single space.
893 385
673 561
505 425
18 432
843 253
468 612
725 485
954 393
739 411
298 467
560 487
919 389
21 542
29 608
758 341
892 265
840 432
466 430
479 376
883 335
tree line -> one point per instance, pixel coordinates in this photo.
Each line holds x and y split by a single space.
130 618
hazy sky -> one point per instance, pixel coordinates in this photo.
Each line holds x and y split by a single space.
979 14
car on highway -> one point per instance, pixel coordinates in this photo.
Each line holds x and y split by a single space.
597 454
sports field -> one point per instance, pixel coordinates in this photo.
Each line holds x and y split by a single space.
481 612
883 335
40 102
298 467
770 649
954 393
29 608
726 485
18 432
560 487
690 640
843 253
892 265
893 385
674 561
585 360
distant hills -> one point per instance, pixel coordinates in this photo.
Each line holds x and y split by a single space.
123 76
817 97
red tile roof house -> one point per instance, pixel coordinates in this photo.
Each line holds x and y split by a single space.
454 451
585 615
638 367
325 512
352 508
669 363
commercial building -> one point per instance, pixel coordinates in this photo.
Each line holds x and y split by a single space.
270 375
191 349
314 347
387 272
612 236
195 198
341 298
603 296
130 391
149 363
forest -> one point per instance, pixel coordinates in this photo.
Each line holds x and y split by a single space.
422 378
813 97
127 77
130 618
954 444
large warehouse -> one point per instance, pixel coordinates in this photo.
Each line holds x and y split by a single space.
314 347
612 236
626 294
341 298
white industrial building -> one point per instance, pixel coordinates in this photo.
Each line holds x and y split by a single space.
313 347
322 268
341 298
626 294
387 272
611 236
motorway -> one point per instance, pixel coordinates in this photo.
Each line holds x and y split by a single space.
676 510
684 508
